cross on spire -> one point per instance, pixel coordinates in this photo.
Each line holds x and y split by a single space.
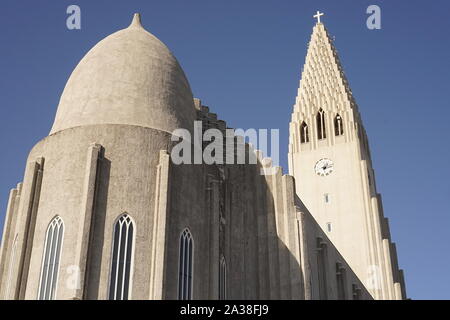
318 15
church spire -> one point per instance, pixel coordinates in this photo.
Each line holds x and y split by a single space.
323 83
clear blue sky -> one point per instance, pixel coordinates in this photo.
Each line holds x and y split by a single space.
243 59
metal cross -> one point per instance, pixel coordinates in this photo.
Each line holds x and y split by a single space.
318 15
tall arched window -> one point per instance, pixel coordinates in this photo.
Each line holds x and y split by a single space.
304 136
12 264
185 265
320 119
223 279
50 260
338 126
122 255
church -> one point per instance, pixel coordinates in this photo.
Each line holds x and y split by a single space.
104 213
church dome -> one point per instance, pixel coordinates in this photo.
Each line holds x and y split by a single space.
131 78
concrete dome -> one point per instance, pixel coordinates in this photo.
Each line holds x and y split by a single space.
130 77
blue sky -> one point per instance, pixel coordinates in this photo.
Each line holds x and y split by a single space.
243 59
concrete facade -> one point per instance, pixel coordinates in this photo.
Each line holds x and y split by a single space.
108 154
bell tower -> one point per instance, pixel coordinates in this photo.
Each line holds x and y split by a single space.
329 157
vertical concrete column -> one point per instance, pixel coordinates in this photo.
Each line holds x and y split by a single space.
304 257
283 236
214 239
85 221
398 291
252 244
291 239
291 166
272 239
380 252
371 245
159 232
329 124
313 133
6 243
263 259
27 214
402 284
390 277
283 254
10 268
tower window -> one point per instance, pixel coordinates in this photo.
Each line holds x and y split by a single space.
185 266
304 135
320 119
50 259
326 197
338 126
119 283
223 279
329 227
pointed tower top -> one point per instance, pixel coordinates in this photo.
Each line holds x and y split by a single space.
318 15
136 22
323 83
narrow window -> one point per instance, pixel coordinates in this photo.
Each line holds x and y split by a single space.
223 279
320 119
185 266
329 227
340 279
304 135
50 259
321 268
122 254
12 264
326 197
338 126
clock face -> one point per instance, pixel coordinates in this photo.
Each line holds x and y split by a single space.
324 167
